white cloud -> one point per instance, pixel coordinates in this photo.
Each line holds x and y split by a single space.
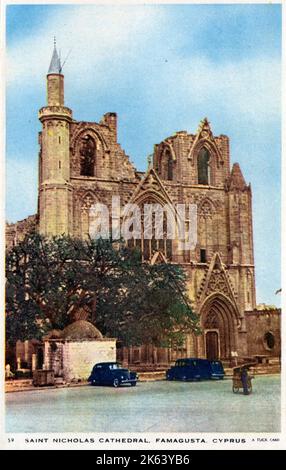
94 35
248 89
107 42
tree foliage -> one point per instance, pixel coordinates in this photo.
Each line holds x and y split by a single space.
49 280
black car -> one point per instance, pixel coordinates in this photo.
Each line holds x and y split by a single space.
112 373
195 369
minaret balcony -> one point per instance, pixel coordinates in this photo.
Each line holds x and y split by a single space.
55 112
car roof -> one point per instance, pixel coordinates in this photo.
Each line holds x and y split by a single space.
196 359
106 363
191 359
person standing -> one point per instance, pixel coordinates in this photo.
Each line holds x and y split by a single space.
244 379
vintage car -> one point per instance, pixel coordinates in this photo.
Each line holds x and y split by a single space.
112 373
195 369
217 370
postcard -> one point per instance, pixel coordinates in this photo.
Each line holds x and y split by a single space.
141 232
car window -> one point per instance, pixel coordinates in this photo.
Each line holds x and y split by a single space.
114 366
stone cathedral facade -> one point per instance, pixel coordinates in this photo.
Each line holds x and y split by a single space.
81 164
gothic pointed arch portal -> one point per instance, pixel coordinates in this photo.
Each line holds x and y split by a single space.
219 323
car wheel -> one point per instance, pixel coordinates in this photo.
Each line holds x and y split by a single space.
133 384
169 377
116 383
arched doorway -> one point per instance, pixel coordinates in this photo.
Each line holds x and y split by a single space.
219 320
212 345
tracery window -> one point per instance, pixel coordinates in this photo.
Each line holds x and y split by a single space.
150 242
87 153
204 166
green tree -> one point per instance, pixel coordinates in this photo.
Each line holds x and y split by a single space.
49 280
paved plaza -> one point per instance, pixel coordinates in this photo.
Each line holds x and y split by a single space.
160 406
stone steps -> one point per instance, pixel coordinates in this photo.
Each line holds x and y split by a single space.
150 376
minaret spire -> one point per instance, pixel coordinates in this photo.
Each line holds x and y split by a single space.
55 65
55 191
55 80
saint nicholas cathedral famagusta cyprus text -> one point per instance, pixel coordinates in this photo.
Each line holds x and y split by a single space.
81 164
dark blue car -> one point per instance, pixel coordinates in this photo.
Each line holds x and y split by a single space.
217 370
195 369
112 373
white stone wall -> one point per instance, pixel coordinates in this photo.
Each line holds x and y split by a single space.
79 357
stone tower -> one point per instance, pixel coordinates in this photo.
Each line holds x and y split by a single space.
54 164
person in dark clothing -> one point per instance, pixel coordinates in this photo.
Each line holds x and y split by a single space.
244 380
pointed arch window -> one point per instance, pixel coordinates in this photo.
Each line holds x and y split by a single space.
87 156
150 243
169 166
204 166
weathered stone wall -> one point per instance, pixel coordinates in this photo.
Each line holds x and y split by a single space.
110 160
15 233
80 356
258 324
53 356
183 150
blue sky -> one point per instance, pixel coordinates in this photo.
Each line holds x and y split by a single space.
162 68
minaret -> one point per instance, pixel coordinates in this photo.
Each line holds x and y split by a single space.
54 165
